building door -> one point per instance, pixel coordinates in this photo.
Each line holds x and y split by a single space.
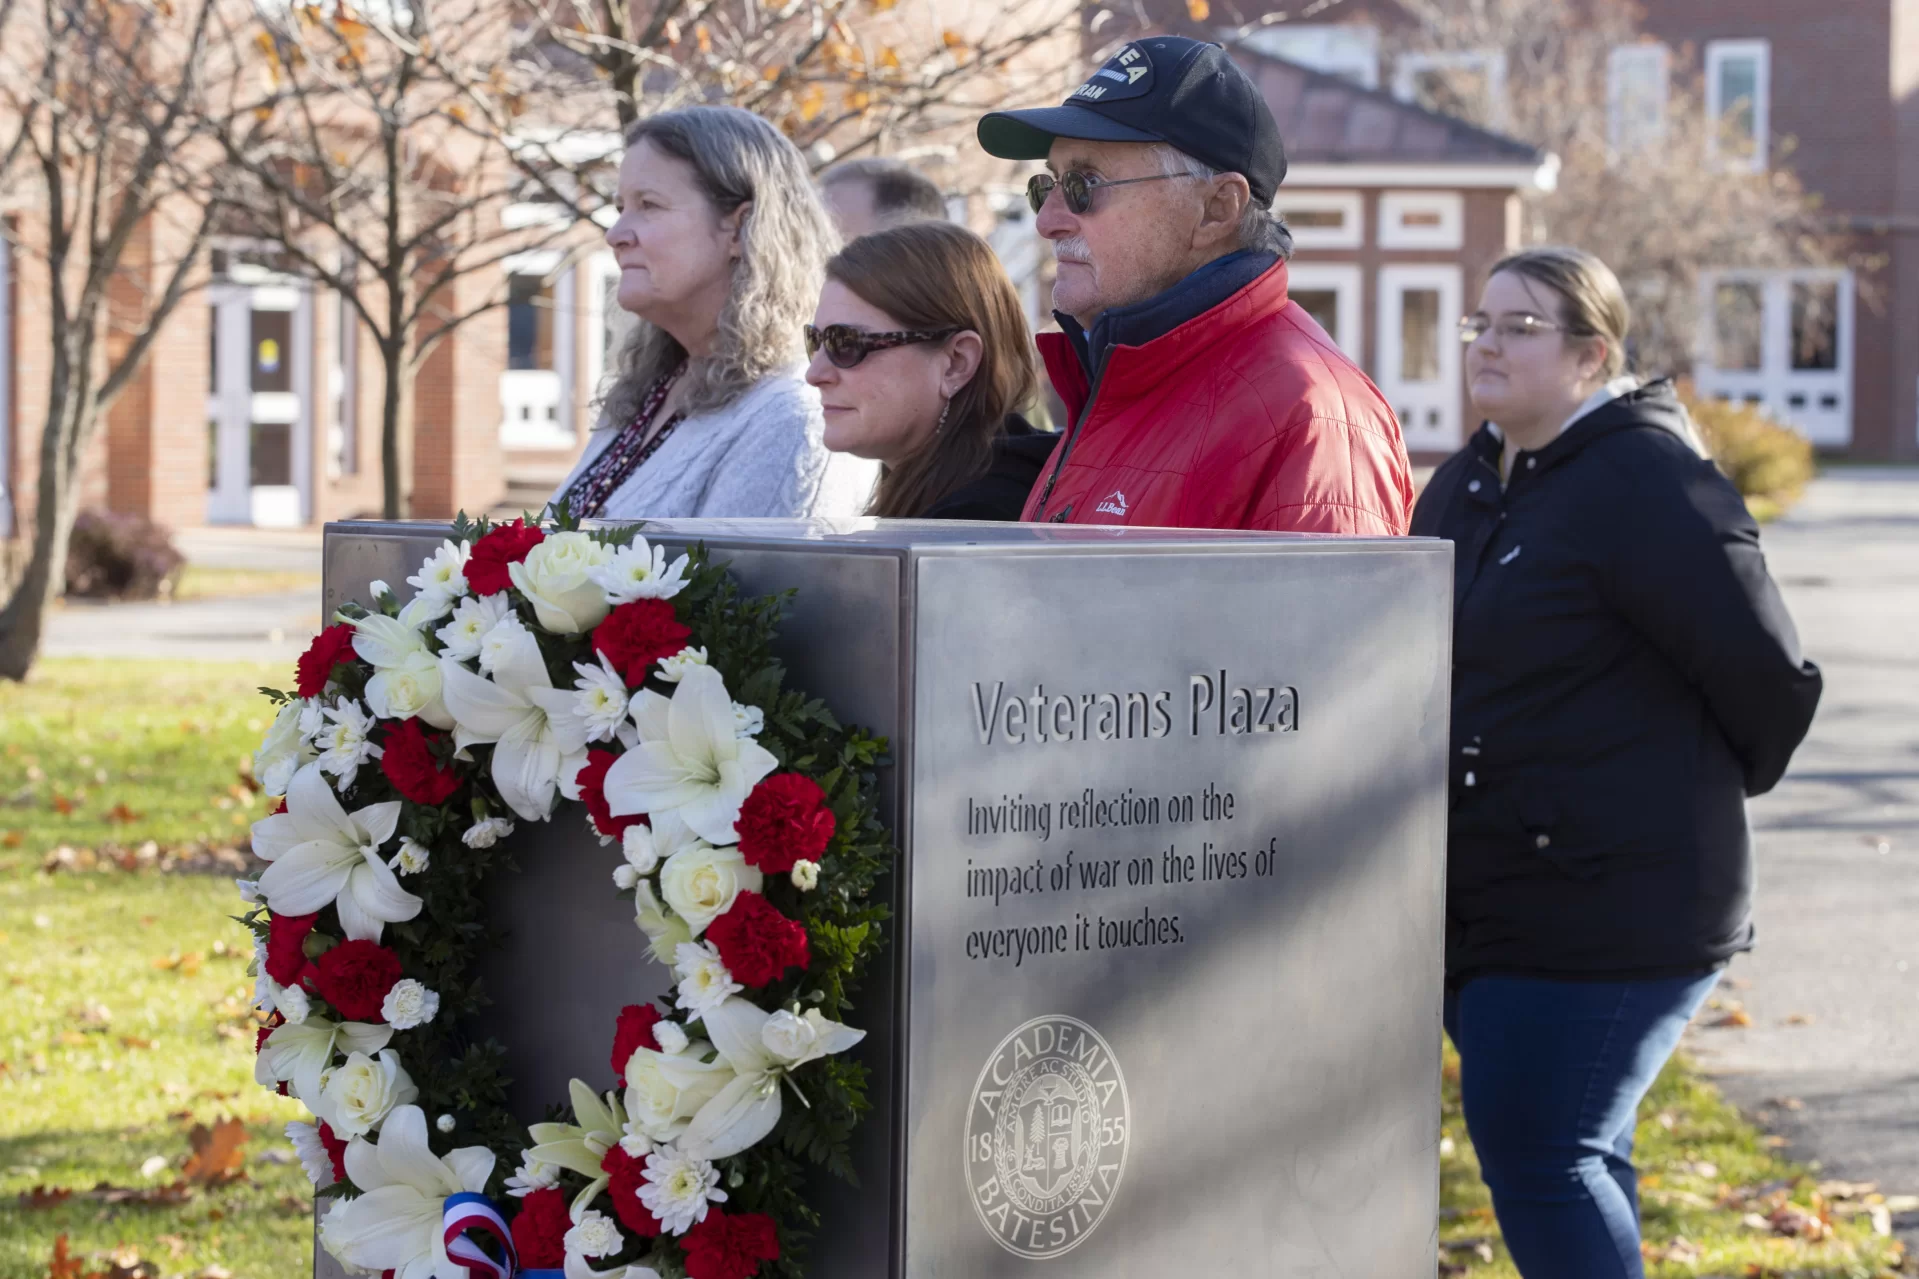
1329 292
257 415
1782 341
1419 352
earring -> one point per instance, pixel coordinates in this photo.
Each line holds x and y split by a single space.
946 406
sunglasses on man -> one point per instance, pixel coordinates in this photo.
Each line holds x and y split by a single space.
1077 188
846 346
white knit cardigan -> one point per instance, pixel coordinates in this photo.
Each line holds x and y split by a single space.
761 455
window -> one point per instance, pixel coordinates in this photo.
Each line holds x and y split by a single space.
1329 292
529 322
542 327
1738 326
1638 77
1470 84
1350 51
1815 324
1323 219
343 436
1422 220
1782 340
1417 368
1739 101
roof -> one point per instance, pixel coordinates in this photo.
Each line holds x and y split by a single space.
1327 119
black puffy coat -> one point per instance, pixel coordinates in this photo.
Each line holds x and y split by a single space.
1019 454
1624 675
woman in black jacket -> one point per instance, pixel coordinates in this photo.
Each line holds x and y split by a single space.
1624 675
922 358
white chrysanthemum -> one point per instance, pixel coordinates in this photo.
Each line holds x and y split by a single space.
346 742
601 704
497 644
806 875
293 1004
670 1036
409 1004
485 834
705 981
640 572
312 1152
473 617
533 1175
750 720
674 668
679 1188
594 1235
443 573
412 859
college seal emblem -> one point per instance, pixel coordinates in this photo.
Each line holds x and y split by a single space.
1046 1136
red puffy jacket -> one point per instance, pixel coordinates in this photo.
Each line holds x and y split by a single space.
1246 416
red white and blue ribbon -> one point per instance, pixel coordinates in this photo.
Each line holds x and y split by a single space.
468 1211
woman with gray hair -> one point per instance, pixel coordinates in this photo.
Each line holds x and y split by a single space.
722 245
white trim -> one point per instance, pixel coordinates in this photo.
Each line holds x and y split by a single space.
603 279
1619 66
525 213
1448 233
1491 62
1818 403
1519 177
1343 280
540 262
1722 51
1428 408
1350 234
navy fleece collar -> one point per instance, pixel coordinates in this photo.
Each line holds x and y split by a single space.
1160 314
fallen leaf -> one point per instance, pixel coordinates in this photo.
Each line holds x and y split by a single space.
1198 10
13 838
1776 1143
135 1042
120 814
45 1197
1737 1019
63 1266
1798 1019
62 805
217 1156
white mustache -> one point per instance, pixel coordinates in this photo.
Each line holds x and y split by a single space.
1073 249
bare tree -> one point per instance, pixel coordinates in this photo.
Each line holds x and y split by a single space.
403 156
103 107
1640 188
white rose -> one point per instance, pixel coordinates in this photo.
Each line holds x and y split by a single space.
412 688
700 882
363 1090
409 1004
670 1036
788 1036
664 930
485 834
555 578
283 752
292 1003
664 1092
673 668
806 875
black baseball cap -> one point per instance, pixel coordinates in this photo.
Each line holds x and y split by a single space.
1185 93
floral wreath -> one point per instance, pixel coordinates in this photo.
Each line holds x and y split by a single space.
534 666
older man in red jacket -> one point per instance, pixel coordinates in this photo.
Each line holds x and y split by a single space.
1198 395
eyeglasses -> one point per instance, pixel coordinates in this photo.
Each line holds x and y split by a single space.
1078 188
846 346
1510 328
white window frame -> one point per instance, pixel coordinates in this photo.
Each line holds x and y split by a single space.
1407 66
1343 280
601 273
1435 415
1719 52
1395 205
1617 64
1350 234
1346 49
543 388
6 384
1818 403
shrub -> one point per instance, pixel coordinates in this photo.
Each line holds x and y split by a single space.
1767 462
124 557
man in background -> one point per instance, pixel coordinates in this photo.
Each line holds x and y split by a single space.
873 194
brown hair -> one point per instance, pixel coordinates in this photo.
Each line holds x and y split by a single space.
1595 306
935 275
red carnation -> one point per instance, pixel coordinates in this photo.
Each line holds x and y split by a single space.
410 765
355 976
286 955
636 635
508 544
591 779
723 1247
315 667
626 1175
335 1150
757 943
784 820
539 1230
634 1032
272 1024
279 806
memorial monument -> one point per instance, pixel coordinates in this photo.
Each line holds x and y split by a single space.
1163 990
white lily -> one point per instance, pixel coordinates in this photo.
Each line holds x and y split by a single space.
396 1223
599 1124
296 1055
533 727
665 1090
406 675
691 761
285 750
747 1109
322 855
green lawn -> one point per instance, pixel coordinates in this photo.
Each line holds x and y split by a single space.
124 1020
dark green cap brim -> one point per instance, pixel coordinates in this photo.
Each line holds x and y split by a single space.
1029 134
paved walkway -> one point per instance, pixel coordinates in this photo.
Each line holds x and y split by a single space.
1831 1060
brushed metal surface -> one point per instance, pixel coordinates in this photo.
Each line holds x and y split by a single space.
1280 1063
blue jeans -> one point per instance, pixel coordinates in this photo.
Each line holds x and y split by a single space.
1551 1074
